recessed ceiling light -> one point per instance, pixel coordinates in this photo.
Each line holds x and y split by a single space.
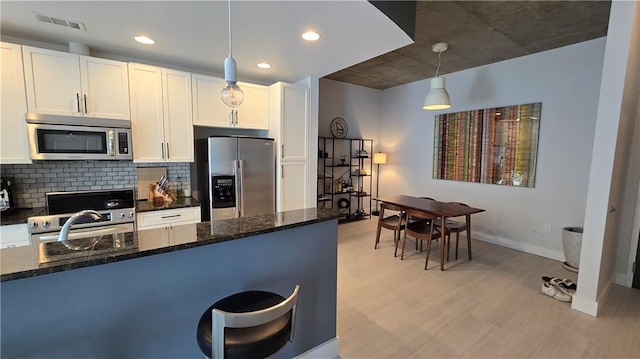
311 36
264 65
144 40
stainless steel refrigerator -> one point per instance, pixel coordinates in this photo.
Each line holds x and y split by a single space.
240 176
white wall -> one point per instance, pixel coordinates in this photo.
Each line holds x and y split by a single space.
606 218
567 82
359 106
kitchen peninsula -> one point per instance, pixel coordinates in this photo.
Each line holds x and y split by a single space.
128 302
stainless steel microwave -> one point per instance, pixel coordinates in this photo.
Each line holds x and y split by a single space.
72 138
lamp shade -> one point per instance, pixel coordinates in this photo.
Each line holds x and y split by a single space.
438 97
379 158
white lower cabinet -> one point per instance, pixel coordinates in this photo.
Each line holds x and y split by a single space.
14 235
167 227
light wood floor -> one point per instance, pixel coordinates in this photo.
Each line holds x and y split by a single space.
490 307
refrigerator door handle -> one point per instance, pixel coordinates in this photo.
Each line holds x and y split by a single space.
240 179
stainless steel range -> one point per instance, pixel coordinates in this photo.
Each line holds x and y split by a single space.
117 221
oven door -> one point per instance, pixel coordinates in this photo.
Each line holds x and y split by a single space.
86 242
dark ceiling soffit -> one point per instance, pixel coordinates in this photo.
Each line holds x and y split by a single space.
403 13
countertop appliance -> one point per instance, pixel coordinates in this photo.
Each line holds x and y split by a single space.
7 200
117 208
240 175
54 137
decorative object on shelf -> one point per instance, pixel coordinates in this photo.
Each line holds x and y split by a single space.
362 153
339 128
232 94
343 203
499 145
159 191
379 158
438 97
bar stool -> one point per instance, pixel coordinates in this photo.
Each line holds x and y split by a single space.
251 324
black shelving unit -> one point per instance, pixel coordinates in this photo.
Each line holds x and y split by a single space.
344 176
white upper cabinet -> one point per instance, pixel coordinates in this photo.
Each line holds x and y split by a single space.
289 120
13 137
254 111
161 118
60 83
105 83
209 110
14 146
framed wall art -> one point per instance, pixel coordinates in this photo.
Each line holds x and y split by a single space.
495 145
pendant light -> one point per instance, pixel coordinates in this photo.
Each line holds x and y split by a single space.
438 97
232 94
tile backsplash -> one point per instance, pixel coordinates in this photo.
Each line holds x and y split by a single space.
34 180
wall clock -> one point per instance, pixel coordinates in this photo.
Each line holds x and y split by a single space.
339 127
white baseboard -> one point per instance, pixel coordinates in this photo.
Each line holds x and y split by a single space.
523 247
327 350
584 305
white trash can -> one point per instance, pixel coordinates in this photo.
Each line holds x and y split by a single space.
572 244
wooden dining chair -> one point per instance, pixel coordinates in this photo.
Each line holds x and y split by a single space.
394 221
423 229
455 227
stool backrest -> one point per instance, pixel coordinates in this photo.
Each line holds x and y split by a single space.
222 319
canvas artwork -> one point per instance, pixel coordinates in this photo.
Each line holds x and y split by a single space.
495 145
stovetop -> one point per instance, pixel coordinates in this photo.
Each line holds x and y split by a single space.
115 206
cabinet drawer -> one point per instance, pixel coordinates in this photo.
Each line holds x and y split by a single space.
167 217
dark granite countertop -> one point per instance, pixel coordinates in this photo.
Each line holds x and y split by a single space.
146 206
23 214
20 216
40 259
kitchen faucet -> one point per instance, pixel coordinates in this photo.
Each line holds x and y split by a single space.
64 232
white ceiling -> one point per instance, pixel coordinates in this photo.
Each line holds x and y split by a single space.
193 34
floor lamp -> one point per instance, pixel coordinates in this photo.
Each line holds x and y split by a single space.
379 158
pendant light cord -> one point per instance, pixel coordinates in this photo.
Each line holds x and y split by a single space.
229 3
439 58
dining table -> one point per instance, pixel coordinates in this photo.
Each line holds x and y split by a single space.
443 210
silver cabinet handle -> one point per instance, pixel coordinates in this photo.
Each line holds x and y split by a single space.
98 232
78 101
241 182
85 104
236 114
110 145
168 153
231 118
162 149
171 216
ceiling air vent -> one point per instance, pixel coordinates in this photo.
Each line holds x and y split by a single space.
62 22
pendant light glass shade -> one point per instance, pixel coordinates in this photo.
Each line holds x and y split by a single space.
231 94
438 97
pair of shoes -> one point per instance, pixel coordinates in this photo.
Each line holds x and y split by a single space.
565 283
555 291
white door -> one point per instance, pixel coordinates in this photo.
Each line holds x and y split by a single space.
14 145
105 85
254 111
147 119
176 90
208 108
294 186
52 80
